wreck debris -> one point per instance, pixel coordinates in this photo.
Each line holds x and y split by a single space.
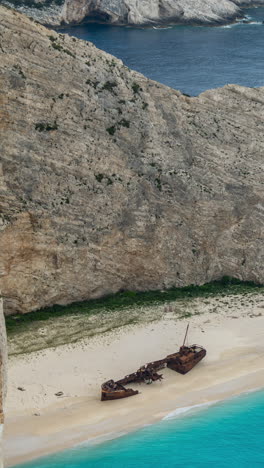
182 361
145 374
113 391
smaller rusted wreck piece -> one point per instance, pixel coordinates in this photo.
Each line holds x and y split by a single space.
114 391
182 361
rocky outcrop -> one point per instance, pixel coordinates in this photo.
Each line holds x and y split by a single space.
47 12
111 181
150 12
248 3
132 12
3 358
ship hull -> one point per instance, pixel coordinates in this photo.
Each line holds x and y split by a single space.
118 394
176 364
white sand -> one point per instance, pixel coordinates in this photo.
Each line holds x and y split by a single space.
234 364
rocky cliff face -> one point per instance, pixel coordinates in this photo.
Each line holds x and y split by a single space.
111 181
47 12
3 356
150 12
132 12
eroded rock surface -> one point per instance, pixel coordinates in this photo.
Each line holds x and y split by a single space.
133 12
112 181
149 12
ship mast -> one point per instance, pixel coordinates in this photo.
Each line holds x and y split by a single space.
186 334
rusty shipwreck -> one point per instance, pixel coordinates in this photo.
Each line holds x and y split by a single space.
182 361
186 358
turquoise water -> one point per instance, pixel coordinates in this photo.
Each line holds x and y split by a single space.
191 59
225 435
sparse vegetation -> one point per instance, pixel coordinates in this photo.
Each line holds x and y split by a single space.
158 183
101 177
111 130
124 123
68 52
94 84
56 46
59 47
111 64
109 86
136 88
131 299
46 127
19 70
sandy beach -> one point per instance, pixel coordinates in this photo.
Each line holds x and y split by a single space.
39 422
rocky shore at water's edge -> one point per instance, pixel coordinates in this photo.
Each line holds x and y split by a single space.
142 14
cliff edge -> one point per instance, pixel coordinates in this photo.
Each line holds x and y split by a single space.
111 181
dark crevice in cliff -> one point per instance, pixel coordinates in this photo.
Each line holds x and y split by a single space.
97 16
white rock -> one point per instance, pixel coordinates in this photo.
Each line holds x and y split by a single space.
111 181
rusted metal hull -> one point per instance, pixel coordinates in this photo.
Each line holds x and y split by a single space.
184 363
112 390
117 394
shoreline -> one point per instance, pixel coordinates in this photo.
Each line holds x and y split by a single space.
233 365
161 24
149 25
241 387
157 25
179 413
154 25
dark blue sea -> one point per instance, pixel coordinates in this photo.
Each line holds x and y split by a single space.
191 59
226 435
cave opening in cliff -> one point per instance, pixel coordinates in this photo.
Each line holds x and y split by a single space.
96 16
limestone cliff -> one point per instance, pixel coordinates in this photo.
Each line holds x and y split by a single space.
132 12
149 12
111 181
3 357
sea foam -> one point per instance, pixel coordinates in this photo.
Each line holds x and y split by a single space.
186 409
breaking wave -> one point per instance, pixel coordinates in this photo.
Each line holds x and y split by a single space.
186 409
